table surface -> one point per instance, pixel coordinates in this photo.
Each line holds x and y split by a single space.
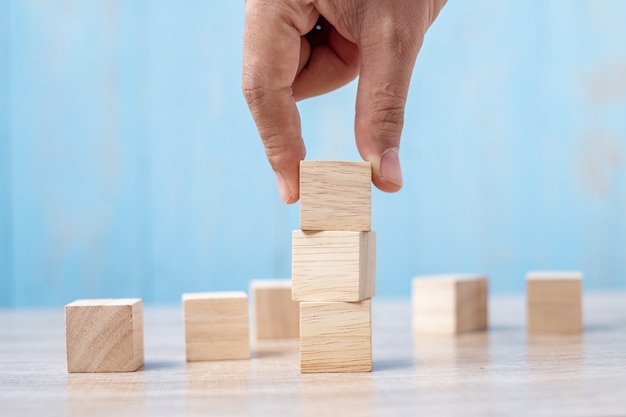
499 372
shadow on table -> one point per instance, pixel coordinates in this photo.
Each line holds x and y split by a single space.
391 364
160 365
273 349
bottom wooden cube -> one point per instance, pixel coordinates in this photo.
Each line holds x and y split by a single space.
450 304
216 326
335 337
104 335
554 302
276 315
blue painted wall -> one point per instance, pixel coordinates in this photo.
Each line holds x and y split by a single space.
129 165
6 254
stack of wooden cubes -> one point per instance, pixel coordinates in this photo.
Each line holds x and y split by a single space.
334 266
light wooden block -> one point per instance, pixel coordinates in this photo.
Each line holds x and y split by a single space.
554 302
216 326
335 337
333 266
335 195
276 316
104 335
449 303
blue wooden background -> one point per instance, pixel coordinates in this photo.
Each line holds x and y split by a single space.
129 164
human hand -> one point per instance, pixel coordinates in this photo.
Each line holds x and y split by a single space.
294 49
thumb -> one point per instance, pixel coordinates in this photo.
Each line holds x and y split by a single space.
389 47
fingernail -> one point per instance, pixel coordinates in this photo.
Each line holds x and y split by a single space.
390 167
283 188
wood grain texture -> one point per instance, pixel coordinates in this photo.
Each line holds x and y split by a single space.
554 302
501 372
104 335
335 337
335 195
333 265
216 326
449 303
276 315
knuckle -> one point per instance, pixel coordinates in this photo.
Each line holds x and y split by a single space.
253 89
400 37
387 112
349 14
397 32
281 152
274 147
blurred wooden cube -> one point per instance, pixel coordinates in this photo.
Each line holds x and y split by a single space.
216 326
335 195
104 335
450 304
335 337
276 315
333 265
554 302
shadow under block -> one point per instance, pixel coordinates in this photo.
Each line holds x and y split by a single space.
335 337
449 303
216 326
335 195
333 266
276 315
104 335
554 302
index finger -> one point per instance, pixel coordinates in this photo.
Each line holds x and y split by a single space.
271 54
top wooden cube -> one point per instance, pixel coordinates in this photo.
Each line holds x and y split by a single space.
335 195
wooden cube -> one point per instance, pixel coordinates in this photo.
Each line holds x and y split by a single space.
335 337
333 266
335 195
216 326
554 302
449 303
104 335
276 316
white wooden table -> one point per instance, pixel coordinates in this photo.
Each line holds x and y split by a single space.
500 372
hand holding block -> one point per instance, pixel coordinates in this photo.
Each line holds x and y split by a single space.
104 335
554 302
335 337
276 316
335 195
216 326
449 303
333 266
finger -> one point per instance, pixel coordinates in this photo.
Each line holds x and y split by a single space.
271 57
305 54
389 43
388 53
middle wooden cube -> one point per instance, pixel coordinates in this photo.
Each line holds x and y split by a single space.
333 266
